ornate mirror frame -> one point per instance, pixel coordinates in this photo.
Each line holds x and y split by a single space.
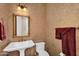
21 26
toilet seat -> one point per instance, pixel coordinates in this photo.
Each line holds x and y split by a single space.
40 49
43 53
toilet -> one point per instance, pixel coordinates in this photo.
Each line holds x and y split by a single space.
61 54
40 49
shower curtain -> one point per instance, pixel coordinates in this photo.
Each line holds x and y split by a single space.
68 37
2 30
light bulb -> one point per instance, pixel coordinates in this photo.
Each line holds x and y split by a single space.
19 8
24 9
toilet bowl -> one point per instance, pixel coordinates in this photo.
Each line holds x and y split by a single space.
61 54
40 49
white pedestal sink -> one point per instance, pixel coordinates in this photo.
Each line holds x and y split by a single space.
20 46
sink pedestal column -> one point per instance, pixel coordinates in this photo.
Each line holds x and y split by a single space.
22 52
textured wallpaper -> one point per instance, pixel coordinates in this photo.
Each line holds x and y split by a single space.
61 15
44 18
37 22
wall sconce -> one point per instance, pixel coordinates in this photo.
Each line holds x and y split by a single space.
21 7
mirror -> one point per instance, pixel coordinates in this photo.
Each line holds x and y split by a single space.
21 25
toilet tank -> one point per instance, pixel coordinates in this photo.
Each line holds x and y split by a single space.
40 46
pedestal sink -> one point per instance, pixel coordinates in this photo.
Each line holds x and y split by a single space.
20 46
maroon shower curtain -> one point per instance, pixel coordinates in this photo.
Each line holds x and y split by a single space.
68 37
2 32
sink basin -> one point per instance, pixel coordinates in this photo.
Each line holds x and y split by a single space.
21 46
